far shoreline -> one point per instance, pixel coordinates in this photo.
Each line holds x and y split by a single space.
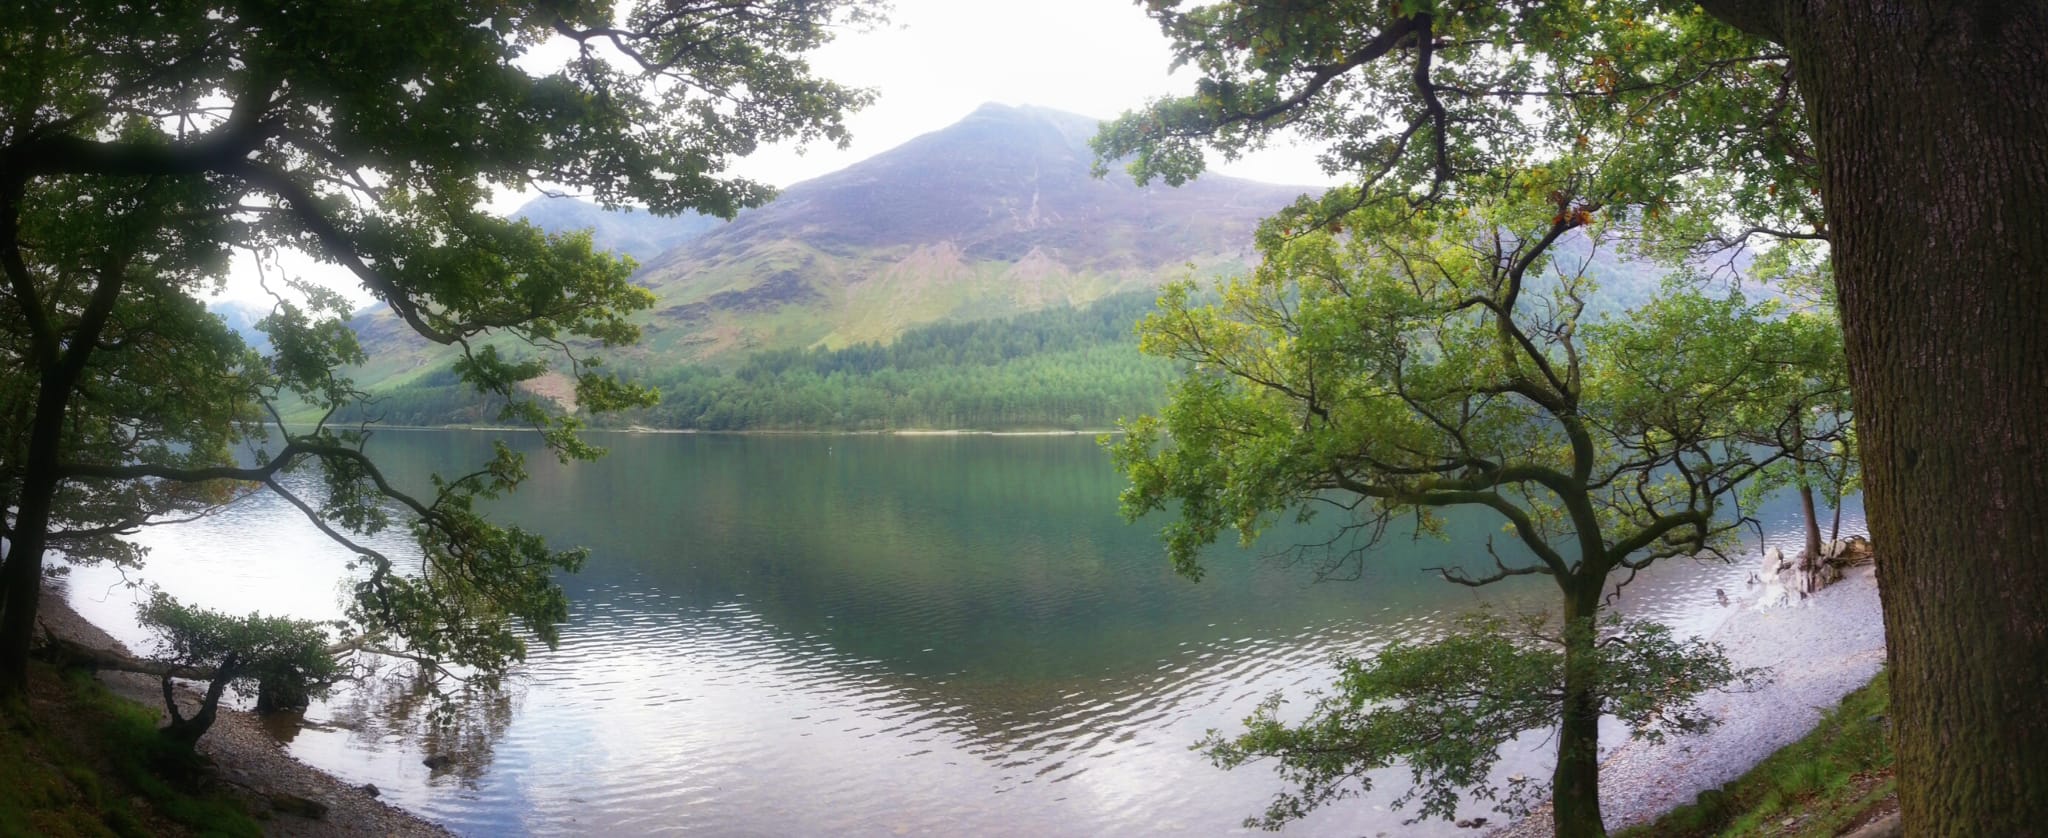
645 431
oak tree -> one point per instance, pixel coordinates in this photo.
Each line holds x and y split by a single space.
1398 362
144 148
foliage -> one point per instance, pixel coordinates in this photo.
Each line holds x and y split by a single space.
284 656
1696 125
1398 361
1446 707
142 152
241 651
1036 370
1826 780
1438 358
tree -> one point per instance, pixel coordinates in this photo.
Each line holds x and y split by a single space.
142 148
1444 708
281 656
1905 135
1397 362
1800 271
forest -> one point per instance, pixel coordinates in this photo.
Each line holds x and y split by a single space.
1055 369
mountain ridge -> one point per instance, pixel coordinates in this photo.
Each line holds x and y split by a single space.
994 215
627 231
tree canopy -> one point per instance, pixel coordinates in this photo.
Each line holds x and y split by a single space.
147 150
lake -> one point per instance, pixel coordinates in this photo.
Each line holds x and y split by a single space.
859 635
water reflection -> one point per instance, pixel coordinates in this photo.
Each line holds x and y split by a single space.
864 635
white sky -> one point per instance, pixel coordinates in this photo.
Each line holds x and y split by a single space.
938 60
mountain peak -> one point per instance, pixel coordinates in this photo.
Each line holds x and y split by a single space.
996 213
999 182
1033 113
993 215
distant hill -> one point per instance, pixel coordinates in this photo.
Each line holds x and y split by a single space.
788 316
626 231
241 317
992 216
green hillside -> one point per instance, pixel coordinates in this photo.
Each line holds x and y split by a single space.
1062 368
991 218
974 277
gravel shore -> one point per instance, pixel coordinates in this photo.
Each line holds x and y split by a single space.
248 757
1816 651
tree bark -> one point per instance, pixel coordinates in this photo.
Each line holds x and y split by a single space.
59 363
1575 785
1931 122
23 571
186 731
1812 558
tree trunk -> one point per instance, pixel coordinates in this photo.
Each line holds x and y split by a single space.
1835 526
23 571
1575 786
60 359
1812 557
186 731
1931 121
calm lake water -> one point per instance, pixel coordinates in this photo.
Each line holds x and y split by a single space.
858 635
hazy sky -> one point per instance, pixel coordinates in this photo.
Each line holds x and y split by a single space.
934 63
939 59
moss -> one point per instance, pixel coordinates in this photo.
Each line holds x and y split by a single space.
165 773
84 762
1819 784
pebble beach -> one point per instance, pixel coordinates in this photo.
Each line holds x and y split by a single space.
1816 650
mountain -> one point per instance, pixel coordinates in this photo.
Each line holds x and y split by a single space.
976 276
241 317
992 216
626 231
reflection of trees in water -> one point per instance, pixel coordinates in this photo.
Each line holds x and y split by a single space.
454 732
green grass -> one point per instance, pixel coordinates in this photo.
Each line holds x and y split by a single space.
84 762
1813 787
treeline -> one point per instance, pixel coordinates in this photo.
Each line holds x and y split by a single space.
1086 388
1067 368
1059 368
